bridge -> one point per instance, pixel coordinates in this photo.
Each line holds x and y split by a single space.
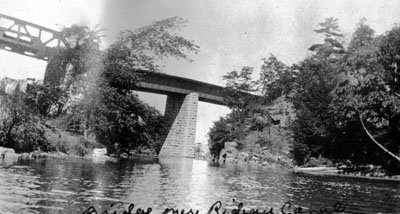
183 94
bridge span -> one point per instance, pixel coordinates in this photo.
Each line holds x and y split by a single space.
161 83
183 94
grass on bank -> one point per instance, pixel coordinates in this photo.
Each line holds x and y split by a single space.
68 142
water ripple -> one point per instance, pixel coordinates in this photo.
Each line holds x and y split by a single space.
72 185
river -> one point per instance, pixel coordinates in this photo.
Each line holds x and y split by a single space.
72 185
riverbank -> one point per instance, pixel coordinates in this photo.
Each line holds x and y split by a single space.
254 155
334 171
10 154
10 157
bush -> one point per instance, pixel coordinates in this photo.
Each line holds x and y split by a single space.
46 100
320 161
123 122
69 143
20 129
82 147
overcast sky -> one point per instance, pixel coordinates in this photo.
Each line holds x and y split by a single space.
230 33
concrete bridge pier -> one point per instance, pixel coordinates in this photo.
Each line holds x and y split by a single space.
181 112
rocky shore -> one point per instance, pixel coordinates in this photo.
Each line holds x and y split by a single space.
257 156
10 154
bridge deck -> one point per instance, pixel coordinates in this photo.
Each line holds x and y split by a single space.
168 84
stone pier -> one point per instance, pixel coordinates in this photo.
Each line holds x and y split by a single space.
181 112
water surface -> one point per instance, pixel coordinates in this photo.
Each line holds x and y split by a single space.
72 185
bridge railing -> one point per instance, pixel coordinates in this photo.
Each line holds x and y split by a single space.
29 39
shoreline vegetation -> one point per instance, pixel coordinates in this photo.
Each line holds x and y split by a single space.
345 100
8 155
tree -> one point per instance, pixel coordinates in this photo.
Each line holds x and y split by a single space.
276 79
238 97
220 133
348 137
121 121
360 87
238 93
371 93
20 129
71 72
141 48
316 78
332 47
239 86
249 111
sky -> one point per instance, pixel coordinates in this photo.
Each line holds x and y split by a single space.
231 33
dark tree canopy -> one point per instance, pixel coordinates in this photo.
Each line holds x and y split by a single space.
346 98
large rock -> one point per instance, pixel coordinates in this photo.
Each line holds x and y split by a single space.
7 153
270 146
282 110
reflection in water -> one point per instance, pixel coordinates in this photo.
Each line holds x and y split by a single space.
72 185
198 198
359 195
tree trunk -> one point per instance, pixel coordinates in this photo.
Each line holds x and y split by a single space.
376 142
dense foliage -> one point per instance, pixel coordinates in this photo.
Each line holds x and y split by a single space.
353 85
249 111
316 78
333 90
20 129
